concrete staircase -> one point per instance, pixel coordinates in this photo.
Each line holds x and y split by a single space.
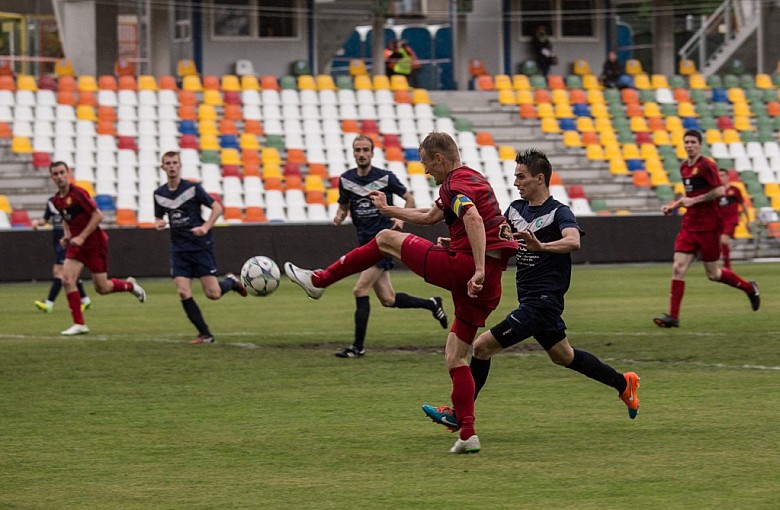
25 187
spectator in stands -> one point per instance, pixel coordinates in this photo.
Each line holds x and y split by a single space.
547 233
52 216
354 188
192 242
405 62
542 50
611 71
700 231
86 244
732 204
390 57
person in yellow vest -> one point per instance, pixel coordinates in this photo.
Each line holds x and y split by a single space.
405 61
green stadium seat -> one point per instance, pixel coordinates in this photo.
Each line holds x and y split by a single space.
442 110
276 141
715 81
288 82
664 193
462 124
730 81
538 82
574 81
747 81
677 82
344 82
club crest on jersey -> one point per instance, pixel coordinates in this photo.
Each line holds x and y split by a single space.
539 223
504 232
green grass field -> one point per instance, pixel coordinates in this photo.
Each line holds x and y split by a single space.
133 417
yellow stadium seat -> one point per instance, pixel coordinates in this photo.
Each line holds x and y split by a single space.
674 123
648 151
212 97
585 125
5 205
506 153
599 110
654 166
642 82
86 112
525 96
64 67
206 112
617 166
271 169
686 109
581 67
594 152
357 67
270 155
333 195
86 186
231 83
631 151
21 145
572 139
612 150
638 124
363 82
186 67
87 83
207 127
713 136
521 82
230 157
742 123
325 82
602 124
559 96
764 81
661 138
659 81
306 82
595 96
681 154
731 136
147 82
420 96
209 143
591 82
563 111
249 82
26 82
651 109
659 178
736 95
507 97
192 83
550 124
503 82
633 67
248 141
697 81
742 109
686 67
415 168
382 82
313 183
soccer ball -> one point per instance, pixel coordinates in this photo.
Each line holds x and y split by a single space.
260 275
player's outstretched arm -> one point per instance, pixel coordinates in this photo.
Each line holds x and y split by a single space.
418 216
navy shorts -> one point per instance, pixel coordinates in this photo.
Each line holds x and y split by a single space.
540 318
193 264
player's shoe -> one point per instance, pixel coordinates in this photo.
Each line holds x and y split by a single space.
76 329
137 291
86 304
443 415
302 277
629 395
203 339
470 445
666 321
239 286
350 352
438 312
45 306
755 299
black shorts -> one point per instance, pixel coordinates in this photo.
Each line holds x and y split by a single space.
194 264
540 318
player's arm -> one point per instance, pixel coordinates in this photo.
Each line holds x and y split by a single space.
159 213
93 223
713 194
568 243
418 216
398 224
65 239
475 231
341 214
216 212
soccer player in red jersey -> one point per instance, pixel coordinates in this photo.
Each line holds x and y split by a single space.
732 203
469 263
86 244
700 232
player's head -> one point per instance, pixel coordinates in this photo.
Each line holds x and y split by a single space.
692 143
439 155
60 174
536 163
363 151
724 175
171 163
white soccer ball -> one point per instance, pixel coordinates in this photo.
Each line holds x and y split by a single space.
260 275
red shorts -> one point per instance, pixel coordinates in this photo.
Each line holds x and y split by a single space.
452 271
94 254
729 228
704 242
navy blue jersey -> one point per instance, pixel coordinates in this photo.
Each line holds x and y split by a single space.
542 273
354 190
183 209
52 216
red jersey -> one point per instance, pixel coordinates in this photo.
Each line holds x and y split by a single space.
700 178
463 189
76 209
730 204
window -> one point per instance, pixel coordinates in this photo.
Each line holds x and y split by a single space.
253 19
563 18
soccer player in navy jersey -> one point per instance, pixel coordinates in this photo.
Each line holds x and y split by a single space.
700 231
355 186
192 242
469 263
732 204
548 232
52 216
86 245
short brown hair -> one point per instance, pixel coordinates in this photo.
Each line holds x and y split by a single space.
58 163
170 154
442 143
364 137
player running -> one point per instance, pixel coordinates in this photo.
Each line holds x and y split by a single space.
732 204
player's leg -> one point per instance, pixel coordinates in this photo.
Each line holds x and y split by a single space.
725 250
70 273
183 286
390 298
356 261
47 305
561 353
455 354
363 286
680 264
732 279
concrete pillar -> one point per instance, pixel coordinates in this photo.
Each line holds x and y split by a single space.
78 24
663 38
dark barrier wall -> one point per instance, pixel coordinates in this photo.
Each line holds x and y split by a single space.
27 255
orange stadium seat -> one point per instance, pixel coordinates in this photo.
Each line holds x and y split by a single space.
123 67
167 82
484 82
107 82
127 82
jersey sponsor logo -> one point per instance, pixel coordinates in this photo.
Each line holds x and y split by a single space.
364 190
175 202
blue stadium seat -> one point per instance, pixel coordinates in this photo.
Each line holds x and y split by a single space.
411 154
567 125
105 203
188 127
691 123
719 96
581 110
635 164
228 141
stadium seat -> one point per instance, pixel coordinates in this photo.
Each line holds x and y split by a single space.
686 67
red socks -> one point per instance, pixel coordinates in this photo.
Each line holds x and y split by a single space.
74 303
121 285
463 399
353 262
678 289
729 277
